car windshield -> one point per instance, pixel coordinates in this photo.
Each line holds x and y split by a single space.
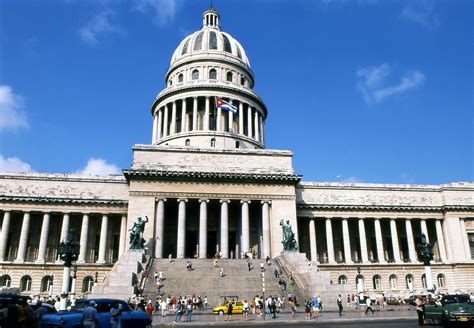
451 299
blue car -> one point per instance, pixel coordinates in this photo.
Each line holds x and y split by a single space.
72 319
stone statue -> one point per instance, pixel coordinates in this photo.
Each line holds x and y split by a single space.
136 233
425 251
289 242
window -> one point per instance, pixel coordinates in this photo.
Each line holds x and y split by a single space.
470 237
212 40
227 46
198 42
242 81
213 142
5 281
342 280
212 74
25 284
180 78
239 54
409 282
185 47
441 280
187 142
46 282
229 76
171 82
195 74
237 144
87 284
377 280
393 281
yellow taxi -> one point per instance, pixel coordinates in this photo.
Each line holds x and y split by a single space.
237 308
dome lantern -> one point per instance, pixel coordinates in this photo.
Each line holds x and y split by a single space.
210 18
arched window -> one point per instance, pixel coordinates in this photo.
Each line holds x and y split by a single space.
441 280
360 283
170 82
5 281
342 280
46 282
212 74
409 282
213 142
195 74
25 284
239 54
87 284
185 47
187 142
212 40
377 282
242 80
227 46
180 78
393 281
198 42
237 144
229 76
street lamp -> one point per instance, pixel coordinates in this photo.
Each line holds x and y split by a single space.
73 287
263 294
68 251
96 276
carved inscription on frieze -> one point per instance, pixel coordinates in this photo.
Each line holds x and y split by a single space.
214 160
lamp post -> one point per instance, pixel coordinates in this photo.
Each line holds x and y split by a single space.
96 276
263 294
68 252
73 287
425 254
359 284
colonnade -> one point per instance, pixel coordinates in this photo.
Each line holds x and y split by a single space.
26 236
175 117
203 231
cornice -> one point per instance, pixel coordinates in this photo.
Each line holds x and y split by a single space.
385 207
109 202
207 196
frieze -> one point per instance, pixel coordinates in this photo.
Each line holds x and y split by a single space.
211 196
211 159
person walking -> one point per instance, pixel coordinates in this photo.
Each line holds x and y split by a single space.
189 311
230 308
246 310
90 317
420 310
315 306
368 302
339 304
307 308
115 313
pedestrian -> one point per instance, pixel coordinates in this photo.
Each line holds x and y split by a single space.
348 300
178 314
221 272
315 306
156 277
339 304
368 302
273 307
205 302
164 308
307 308
189 311
262 267
293 305
320 303
90 317
115 313
149 310
249 264
230 308
420 305
245 310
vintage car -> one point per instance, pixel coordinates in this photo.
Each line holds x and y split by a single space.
238 308
454 309
72 319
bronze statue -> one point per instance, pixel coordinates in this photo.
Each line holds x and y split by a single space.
425 251
136 233
289 242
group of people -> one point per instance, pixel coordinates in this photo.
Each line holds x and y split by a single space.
312 306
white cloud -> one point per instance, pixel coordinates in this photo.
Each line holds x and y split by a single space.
12 115
375 86
98 26
98 166
13 164
163 11
421 12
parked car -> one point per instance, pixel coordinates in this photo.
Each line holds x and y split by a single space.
238 307
454 309
72 319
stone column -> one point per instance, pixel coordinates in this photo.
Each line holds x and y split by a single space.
249 121
218 121
424 229
465 239
363 241
241 118
84 237
245 227
206 114
183 115
159 227
411 242
257 136
195 114
160 124
203 228
225 228
329 241
266 228
43 242
155 123
103 239
123 235
379 241
231 117
440 237
260 123
64 227
181 228
396 249
173 118
25 227
312 240
165 123
5 234
347 241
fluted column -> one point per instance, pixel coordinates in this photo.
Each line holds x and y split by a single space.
25 227
206 114
231 117
262 134
266 228
424 229
203 228
396 248
123 235
312 240
440 237
225 227
155 126
195 114
183 115
363 241
329 241
249 121
241 118
159 227
411 242
173 118
465 239
160 124
43 242
245 226
181 228
84 237
347 241
379 241
218 120
257 136
5 234
165 123
103 239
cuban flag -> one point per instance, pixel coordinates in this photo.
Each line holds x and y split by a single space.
225 105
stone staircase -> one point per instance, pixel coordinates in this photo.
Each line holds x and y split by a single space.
204 280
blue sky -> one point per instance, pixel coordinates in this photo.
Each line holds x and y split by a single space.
372 91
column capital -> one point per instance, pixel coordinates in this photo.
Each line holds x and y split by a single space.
157 199
224 201
206 200
248 201
179 200
268 201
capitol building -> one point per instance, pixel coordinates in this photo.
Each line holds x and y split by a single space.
208 184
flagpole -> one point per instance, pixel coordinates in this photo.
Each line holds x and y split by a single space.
215 120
